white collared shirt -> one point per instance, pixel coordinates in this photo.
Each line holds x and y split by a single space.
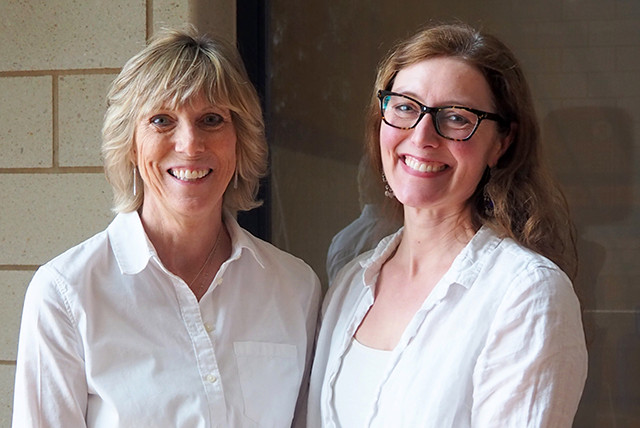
111 338
498 343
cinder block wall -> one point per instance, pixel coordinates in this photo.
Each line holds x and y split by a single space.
57 59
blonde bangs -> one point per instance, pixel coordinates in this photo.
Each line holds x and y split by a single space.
172 84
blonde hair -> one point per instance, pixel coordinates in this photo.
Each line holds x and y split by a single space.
528 205
177 65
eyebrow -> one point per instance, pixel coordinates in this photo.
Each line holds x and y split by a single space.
449 102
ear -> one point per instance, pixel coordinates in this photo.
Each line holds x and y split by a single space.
502 144
133 153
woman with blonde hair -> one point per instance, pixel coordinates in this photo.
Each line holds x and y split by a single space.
466 317
174 315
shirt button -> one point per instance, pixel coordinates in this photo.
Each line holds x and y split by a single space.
211 378
218 281
208 327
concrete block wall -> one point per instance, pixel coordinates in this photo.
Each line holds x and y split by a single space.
57 59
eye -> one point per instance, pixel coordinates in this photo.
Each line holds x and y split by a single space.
213 120
401 106
160 120
457 118
406 108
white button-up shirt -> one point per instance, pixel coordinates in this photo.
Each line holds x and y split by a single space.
498 343
111 338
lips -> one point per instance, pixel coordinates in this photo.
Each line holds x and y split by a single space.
189 174
421 166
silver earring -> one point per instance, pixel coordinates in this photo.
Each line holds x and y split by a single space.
135 181
388 191
235 179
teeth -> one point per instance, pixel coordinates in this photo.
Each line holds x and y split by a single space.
188 174
423 167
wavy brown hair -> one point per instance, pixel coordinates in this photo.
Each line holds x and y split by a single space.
176 66
528 205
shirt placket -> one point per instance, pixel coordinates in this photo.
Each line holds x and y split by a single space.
365 302
199 333
409 334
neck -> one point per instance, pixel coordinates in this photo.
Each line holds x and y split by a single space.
183 245
432 240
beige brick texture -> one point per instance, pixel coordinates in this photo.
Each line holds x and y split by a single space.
44 214
26 109
67 34
13 285
81 108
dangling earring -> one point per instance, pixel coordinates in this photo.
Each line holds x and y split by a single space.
488 202
388 191
135 181
235 179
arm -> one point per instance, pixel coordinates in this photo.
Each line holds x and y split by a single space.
50 388
533 366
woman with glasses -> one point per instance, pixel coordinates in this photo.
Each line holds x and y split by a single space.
466 317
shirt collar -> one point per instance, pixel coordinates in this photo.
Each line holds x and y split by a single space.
133 249
465 268
381 253
241 239
472 259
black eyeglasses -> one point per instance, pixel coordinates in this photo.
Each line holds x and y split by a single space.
452 122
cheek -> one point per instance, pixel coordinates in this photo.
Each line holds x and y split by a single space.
387 137
483 152
141 145
149 152
389 140
229 147
143 152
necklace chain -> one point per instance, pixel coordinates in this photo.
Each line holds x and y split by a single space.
206 262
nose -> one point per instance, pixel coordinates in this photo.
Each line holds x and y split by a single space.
424 134
188 139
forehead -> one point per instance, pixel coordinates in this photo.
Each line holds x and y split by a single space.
444 80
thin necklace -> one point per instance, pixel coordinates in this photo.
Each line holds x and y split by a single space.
209 257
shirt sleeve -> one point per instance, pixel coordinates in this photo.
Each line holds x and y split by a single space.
532 369
50 386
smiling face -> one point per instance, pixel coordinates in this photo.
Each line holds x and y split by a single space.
186 157
425 170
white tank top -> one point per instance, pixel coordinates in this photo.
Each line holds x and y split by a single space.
356 383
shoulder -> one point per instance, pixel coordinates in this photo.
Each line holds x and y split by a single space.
283 270
272 256
500 272
507 258
517 277
56 282
78 260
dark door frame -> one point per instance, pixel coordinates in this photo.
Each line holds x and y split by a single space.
251 36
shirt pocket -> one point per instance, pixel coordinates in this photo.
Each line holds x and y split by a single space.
270 380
